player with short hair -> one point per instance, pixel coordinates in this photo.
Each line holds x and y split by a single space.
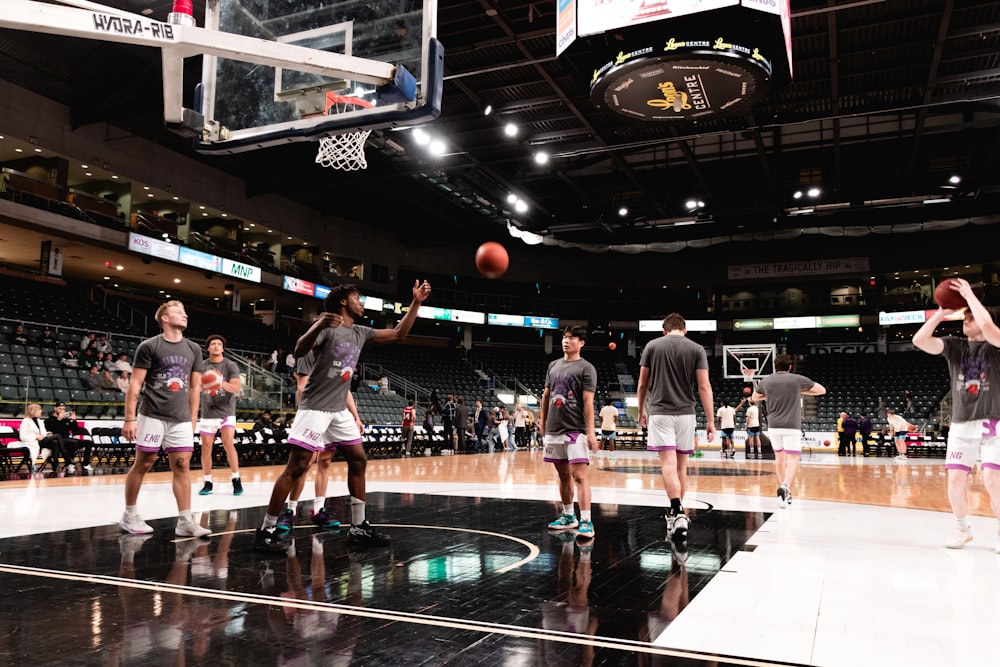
323 421
975 403
898 428
753 432
566 423
218 414
167 374
609 424
783 391
669 370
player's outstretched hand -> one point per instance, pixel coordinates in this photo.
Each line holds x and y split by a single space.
421 291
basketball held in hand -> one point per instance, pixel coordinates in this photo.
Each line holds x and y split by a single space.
492 259
211 381
948 298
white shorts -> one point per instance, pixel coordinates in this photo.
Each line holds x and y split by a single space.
972 441
152 434
788 440
566 448
671 433
210 426
317 430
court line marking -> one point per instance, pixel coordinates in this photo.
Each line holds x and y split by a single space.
533 549
394 616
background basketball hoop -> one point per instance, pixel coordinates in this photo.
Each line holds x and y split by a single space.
344 151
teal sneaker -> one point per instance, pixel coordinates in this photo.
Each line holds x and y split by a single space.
286 521
585 531
563 522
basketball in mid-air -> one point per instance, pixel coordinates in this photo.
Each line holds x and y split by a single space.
492 259
826 443
211 381
948 298
747 391
612 345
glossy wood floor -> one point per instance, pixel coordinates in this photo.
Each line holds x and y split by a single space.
474 577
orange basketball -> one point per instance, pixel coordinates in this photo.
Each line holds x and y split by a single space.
912 428
492 259
612 345
948 298
211 381
826 443
747 391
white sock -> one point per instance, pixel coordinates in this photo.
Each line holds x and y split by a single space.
292 505
319 502
235 475
357 511
963 522
207 478
584 515
186 515
270 521
568 509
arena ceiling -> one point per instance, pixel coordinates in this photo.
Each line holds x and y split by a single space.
890 100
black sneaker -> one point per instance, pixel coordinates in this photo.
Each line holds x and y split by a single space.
206 490
268 539
363 535
323 520
286 521
237 487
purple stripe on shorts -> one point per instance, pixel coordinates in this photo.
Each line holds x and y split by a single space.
667 448
304 445
959 466
148 449
587 461
345 443
991 466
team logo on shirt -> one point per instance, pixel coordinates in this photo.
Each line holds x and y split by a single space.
972 375
345 358
173 373
563 391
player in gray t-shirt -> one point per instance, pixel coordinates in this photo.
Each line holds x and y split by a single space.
783 392
166 373
218 414
671 370
323 421
975 403
566 423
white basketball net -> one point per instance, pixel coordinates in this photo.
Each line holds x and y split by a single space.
344 151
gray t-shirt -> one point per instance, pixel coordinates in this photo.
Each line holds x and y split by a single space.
971 364
783 392
164 393
566 382
304 364
223 404
337 351
672 361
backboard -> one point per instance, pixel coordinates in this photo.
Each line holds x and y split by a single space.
747 362
247 105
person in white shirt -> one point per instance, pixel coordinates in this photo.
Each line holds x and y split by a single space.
727 424
32 435
753 432
609 423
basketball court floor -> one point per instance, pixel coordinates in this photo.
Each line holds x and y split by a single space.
853 573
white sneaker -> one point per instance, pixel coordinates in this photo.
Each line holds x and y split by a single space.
133 523
188 528
88 468
679 528
901 457
959 538
784 497
70 469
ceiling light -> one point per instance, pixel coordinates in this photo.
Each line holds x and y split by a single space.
114 177
120 267
488 109
511 198
437 147
150 195
175 196
18 150
177 280
421 137
813 192
797 195
83 166
87 174
520 206
38 150
201 208
955 180
204 215
510 130
289 238
623 211
253 224
937 200
225 215
541 157
145 187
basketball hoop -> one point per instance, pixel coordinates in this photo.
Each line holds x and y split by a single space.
344 151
